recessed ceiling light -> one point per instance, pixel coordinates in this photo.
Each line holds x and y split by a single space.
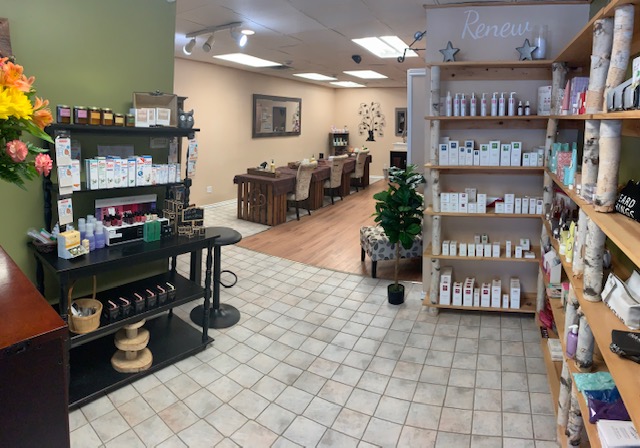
346 84
385 46
365 74
315 76
248 32
245 59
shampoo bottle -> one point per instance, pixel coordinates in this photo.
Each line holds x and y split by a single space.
448 105
511 106
99 236
572 341
456 106
463 106
494 104
501 105
483 105
473 105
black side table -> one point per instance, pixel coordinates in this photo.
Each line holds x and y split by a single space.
220 315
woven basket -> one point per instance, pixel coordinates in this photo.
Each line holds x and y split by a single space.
85 324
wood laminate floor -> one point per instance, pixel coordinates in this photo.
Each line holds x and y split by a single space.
329 238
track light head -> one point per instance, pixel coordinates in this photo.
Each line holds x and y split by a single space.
208 44
239 37
188 48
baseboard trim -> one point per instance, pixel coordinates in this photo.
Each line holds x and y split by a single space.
219 204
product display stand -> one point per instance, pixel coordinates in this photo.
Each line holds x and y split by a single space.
132 355
220 315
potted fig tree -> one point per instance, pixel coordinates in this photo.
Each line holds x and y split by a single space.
399 211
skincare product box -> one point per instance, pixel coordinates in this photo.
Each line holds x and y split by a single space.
163 116
507 251
482 203
457 294
476 297
445 293
516 153
476 157
539 206
67 242
148 163
509 198
453 152
525 243
487 250
92 174
102 172
469 144
445 247
117 172
452 248
505 154
472 194
131 171
525 159
485 295
462 155
496 293
477 238
544 100
453 202
525 205
532 206
479 250
75 175
514 292
443 154
110 172
500 208
151 114
472 207
508 209
495 250
518 252
494 153
484 154
463 250
444 202
468 161
517 208
142 117
140 171
471 250
467 292
505 300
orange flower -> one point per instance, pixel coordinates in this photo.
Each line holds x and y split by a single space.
41 113
12 76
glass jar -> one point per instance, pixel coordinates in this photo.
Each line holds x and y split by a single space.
130 120
94 115
63 114
118 119
80 115
106 117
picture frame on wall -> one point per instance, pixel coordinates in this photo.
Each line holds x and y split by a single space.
401 121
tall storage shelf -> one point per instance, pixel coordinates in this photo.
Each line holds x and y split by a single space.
171 339
338 143
618 229
493 180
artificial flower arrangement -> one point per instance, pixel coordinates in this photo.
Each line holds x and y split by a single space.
21 111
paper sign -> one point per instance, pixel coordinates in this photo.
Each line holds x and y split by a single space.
63 150
65 211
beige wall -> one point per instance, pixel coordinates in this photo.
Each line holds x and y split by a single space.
222 101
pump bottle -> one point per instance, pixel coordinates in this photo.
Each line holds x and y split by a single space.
473 104
448 105
511 106
463 106
520 109
483 105
494 104
456 106
572 341
527 108
501 105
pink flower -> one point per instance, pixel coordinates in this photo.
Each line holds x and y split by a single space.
17 150
43 164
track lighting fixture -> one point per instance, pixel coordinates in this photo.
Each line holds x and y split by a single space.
240 36
188 48
208 44
418 35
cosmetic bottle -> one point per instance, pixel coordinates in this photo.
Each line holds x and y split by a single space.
463 106
527 108
572 341
91 237
494 104
511 105
456 106
272 167
483 105
99 236
473 105
501 105
520 109
82 227
448 105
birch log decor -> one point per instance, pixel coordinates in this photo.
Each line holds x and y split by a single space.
584 351
579 248
571 312
594 249
600 58
609 163
564 397
435 91
621 47
434 288
591 151
559 72
436 243
575 425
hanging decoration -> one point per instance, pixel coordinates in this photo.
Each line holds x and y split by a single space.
449 53
526 51
372 120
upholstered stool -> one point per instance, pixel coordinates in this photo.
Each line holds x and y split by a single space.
375 243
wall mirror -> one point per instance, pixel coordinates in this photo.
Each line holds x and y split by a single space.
276 116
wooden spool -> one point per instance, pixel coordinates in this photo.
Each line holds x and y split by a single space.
139 361
132 355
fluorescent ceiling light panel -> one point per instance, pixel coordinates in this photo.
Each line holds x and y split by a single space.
385 46
346 84
365 74
315 76
245 59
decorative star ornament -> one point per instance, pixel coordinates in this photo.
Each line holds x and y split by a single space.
525 51
449 53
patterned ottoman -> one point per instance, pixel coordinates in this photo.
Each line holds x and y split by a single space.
375 243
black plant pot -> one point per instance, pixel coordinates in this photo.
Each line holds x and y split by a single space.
395 295
371 139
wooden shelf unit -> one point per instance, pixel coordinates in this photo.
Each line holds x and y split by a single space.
534 249
498 123
527 306
493 70
463 169
554 371
429 211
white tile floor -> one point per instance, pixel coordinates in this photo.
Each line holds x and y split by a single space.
320 358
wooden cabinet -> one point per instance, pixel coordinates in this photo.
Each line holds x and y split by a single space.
338 143
33 365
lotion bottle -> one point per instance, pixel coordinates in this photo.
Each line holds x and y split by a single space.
90 237
572 341
99 236
456 106
501 105
463 106
494 104
483 105
511 106
473 105
520 109
527 108
448 105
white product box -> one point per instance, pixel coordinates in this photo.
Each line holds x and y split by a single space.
479 250
75 174
467 293
505 154
445 293
476 157
443 154
142 117
154 174
507 249
93 176
117 172
457 294
102 172
163 116
462 155
476 297
124 173
525 243
484 154
539 206
509 198
516 153
110 172
468 161
525 205
472 194
471 250
453 153
484 238
140 171
470 144
544 100
487 250
482 199
496 293
518 252
485 295
462 252
453 202
526 159
494 153
532 206
540 157
500 207
477 238
472 207
462 202
148 163
508 209
514 292
453 248
151 113
171 177
495 250
445 247
505 300
517 208
131 171
482 207
446 275
444 202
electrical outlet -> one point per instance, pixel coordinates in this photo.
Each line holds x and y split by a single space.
209 189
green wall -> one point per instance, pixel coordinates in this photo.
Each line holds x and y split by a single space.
82 52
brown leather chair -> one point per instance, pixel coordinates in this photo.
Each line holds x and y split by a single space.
358 174
337 166
303 182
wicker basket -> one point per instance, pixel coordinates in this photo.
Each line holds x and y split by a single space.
85 324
